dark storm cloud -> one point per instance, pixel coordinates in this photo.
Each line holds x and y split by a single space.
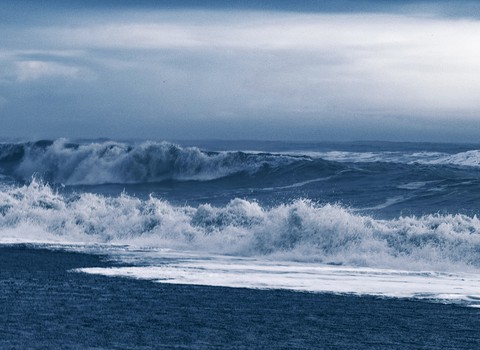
312 70
333 6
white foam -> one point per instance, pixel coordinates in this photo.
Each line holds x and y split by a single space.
469 158
298 231
263 274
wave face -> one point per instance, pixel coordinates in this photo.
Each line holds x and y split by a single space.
301 230
110 162
114 162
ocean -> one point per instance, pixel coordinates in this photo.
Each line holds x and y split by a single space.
239 244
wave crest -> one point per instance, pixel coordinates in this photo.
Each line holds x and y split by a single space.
114 162
300 230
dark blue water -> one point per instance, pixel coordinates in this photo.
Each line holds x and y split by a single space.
43 305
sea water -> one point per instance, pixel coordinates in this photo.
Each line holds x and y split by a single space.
385 219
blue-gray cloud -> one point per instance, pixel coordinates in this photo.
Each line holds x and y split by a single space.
240 74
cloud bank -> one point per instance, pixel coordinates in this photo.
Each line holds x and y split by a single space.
215 74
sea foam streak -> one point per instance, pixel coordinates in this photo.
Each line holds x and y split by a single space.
227 271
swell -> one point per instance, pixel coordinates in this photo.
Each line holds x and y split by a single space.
109 162
300 230
114 162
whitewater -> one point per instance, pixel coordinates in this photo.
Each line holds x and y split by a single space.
387 219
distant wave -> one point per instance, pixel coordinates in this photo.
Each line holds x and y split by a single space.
114 162
468 158
300 230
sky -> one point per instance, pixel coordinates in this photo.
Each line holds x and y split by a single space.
260 70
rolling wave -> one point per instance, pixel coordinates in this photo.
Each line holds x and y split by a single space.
110 162
300 230
114 162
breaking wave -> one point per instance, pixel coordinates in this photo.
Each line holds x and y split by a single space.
301 230
114 162
469 158
109 162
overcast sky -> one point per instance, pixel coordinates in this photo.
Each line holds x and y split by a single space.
272 70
